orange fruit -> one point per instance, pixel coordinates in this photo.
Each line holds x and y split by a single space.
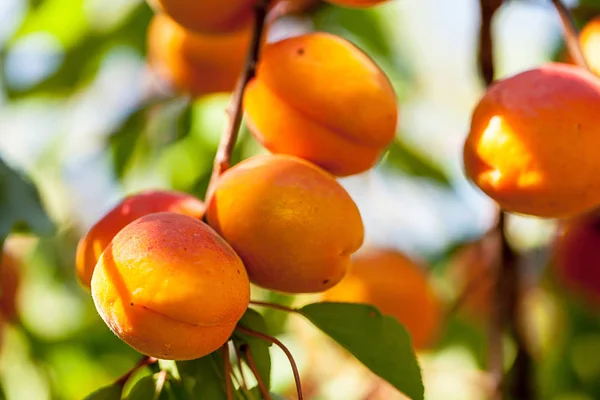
292 223
128 210
170 287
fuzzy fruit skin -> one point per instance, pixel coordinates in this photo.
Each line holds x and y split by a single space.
195 63
10 282
292 223
207 16
398 287
534 139
319 97
170 287
576 259
589 40
128 210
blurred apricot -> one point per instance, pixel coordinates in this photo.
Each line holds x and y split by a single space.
128 210
208 16
11 281
292 223
576 258
534 140
589 40
397 286
195 63
319 97
170 287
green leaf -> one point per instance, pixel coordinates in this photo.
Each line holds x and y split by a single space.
259 348
112 392
380 342
20 205
257 395
152 387
203 378
403 158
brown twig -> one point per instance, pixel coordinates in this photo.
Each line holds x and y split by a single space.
486 49
273 306
146 360
227 371
571 34
238 357
235 110
250 361
287 352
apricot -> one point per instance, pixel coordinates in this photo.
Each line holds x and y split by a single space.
292 223
534 140
576 259
397 286
10 283
208 16
195 63
170 287
589 40
128 210
319 97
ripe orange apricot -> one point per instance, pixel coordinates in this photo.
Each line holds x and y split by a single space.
534 140
128 210
10 282
589 40
170 287
576 259
397 286
292 223
207 16
319 97
196 63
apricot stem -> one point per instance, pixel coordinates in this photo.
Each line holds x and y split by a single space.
235 110
486 51
571 34
146 360
274 306
238 357
283 348
227 371
250 361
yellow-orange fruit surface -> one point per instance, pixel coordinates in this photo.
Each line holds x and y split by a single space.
576 258
589 40
195 63
208 16
11 281
319 97
398 287
170 287
534 140
131 208
292 223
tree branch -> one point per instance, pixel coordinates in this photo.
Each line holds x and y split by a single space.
571 34
235 110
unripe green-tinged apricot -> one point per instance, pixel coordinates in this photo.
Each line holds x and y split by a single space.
195 63
128 210
397 286
170 287
534 140
10 282
576 258
208 16
319 97
292 223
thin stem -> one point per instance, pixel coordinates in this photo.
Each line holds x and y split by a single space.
287 352
274 306
250 361
486 49
160 383
146 360
571 34
238 357
227 371
235 110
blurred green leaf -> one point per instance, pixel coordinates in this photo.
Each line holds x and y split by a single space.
380 342
112 392
20 205
154 387
203 378
402 158
257 395
259 348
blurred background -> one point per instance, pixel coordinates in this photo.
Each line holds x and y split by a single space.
83 117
